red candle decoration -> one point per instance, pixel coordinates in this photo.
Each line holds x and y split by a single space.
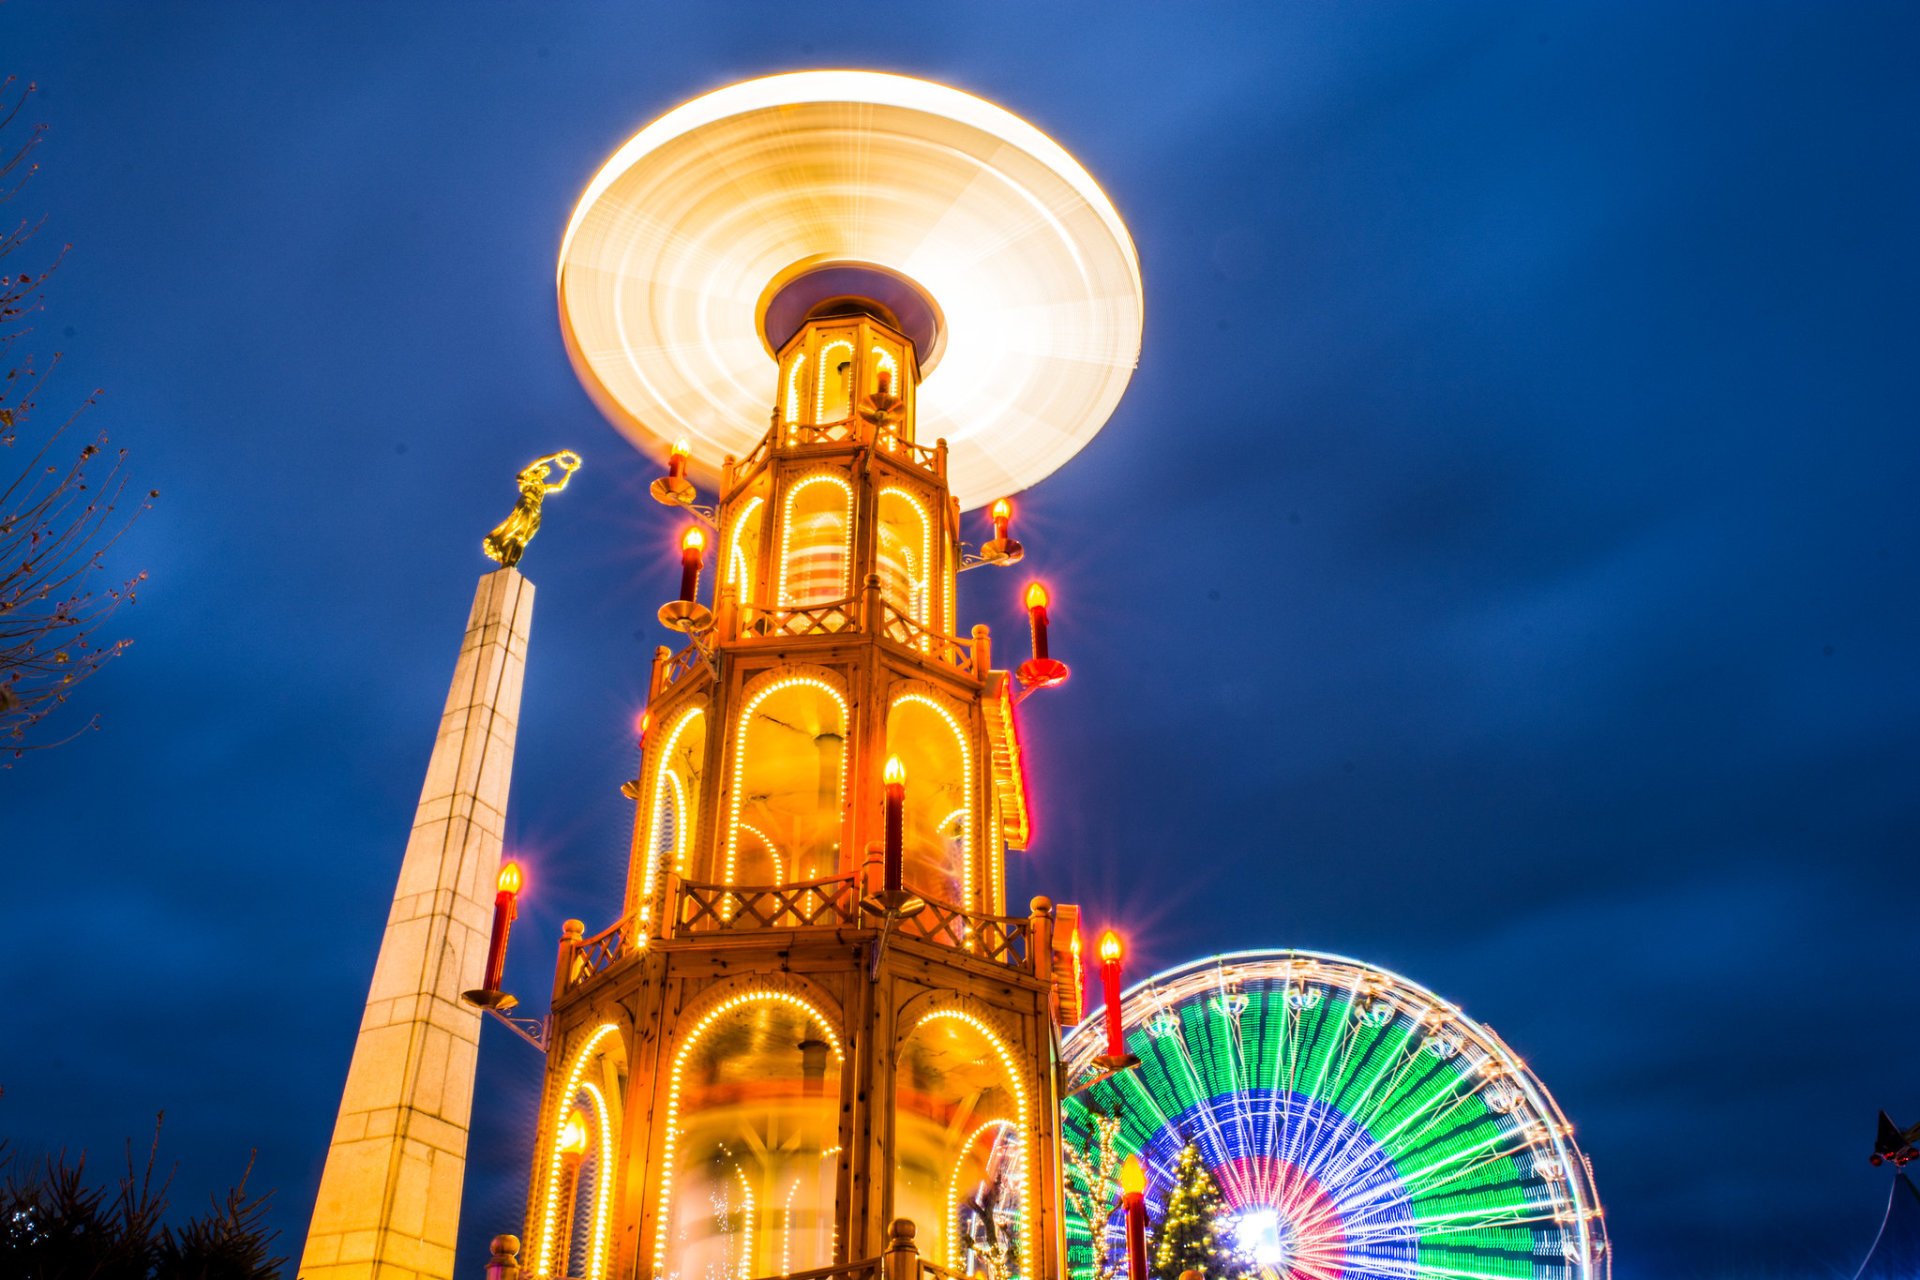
1037 617
1002 517
895 776
693 544
677 460
1133 1200
1111 951
505 908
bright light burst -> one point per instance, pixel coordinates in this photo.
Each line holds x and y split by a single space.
1358 1126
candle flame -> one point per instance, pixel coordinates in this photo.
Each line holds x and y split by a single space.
693 539
573 1134
1111 948
895 774
1133 1177
1002 510
1036 596
508 880
681 448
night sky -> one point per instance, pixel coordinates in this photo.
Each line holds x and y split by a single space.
1503 567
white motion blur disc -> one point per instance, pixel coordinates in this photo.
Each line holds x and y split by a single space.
675 241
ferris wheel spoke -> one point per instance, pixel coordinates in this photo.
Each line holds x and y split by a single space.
1355 1142
1394 1138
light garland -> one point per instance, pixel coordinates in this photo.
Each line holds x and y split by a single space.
551 1199
734 788
953 1187
773 852
793 391
643 909
603 1184
670 1135
739 572
1017 1087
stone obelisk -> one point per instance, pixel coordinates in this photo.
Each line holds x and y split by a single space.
389 1202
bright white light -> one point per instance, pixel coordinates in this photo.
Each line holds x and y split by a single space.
672 243
1261 1235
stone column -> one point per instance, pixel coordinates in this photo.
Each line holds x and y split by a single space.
389 1203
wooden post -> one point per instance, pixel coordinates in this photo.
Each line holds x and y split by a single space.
1040 939
982 651
902 1259
872 616
505 1262
570 934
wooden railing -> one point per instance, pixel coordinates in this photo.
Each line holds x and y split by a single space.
589 957
829 618
833 902
901 1261
998 938
800 435
952 650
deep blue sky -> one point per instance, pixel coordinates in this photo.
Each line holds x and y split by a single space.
1503 567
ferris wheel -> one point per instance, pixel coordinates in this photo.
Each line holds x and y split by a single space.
1357 1127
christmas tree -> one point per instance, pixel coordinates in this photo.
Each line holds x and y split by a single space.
1192 1227
1093 1189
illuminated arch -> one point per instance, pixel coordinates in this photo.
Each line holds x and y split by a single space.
588 1052
793 387
666 786
914 697
825 365
671 1132
841 548
1017 1087
916 567
603 1182
740 562
773 851
953 1185
737 763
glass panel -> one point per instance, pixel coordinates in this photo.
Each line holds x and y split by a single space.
833 376
815 560
938 819
904 552
756 1147
789 773
959 1169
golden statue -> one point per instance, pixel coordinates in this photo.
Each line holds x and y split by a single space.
507 542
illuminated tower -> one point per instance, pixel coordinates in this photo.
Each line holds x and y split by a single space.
770 1054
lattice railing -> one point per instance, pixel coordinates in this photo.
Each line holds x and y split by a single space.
826 619
682 664
797 435
596 955
926 457
951 650
998 938
834 901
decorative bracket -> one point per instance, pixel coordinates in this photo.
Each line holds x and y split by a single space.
532 1030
